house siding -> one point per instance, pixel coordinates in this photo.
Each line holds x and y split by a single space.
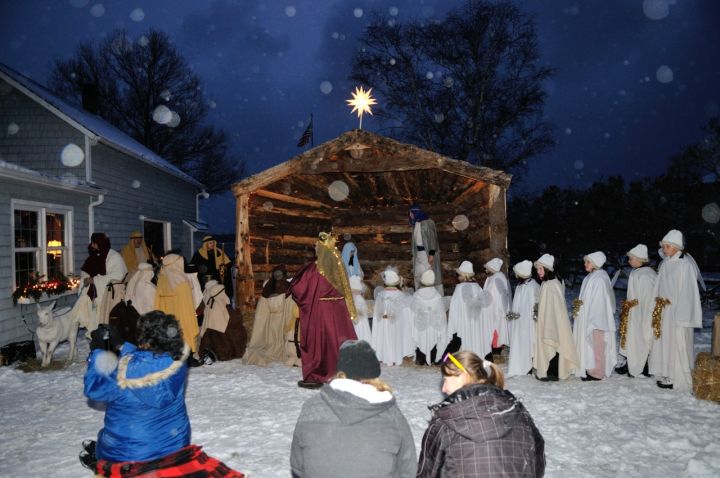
36 145
12 327
160 197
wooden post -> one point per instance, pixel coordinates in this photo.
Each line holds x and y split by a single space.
716 336
245 292
497 213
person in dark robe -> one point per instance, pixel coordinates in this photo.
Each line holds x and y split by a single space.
212 263
322 293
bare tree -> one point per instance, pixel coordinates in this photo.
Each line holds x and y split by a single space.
469 86
145 88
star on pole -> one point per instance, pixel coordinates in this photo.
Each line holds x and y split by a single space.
361 102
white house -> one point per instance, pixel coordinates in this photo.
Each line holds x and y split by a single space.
66 173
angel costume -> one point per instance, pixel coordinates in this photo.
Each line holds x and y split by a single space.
389 331
671 356
640 301
429 321
464 317
553 332
594 330
494 316
522 327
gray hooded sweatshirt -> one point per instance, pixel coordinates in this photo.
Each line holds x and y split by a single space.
341 434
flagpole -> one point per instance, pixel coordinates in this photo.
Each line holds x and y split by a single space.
312 133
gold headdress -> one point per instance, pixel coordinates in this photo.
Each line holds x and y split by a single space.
329 264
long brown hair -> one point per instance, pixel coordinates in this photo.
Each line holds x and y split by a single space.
379 385
479 370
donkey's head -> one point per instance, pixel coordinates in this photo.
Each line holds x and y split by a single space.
45 314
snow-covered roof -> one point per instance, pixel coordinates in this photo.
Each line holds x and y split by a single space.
17 172
92 125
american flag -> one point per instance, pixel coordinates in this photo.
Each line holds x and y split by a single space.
307 136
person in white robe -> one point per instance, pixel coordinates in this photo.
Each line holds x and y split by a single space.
676 313
429 320
555 356
361 324
275 332
391 337
635 329
87 309
425 247
141 290
464 316
522 323
594 328
494 316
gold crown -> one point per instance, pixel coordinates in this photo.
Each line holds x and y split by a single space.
327 239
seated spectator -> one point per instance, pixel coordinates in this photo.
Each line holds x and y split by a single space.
479 430
353 427
147 429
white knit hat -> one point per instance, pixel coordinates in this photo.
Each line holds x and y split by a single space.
639 252
596 258
428 278
390 276
547 261
523 269
494 265
355 283
675 238
466 268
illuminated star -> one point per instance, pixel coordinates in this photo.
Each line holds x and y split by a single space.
361 102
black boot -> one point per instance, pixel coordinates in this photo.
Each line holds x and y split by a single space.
622 370
419 358
646 370
87 455
552 371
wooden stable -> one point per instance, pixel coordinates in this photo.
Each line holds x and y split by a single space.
281 210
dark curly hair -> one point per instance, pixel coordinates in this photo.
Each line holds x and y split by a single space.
160 333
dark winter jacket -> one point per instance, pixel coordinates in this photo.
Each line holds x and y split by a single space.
145 414
481 431
340 434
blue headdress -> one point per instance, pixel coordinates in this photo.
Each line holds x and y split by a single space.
353 269
417 214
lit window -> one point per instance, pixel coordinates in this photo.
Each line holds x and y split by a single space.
42 238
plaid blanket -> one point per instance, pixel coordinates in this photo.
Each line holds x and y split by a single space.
190 461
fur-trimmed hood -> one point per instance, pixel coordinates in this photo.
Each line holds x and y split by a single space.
155 379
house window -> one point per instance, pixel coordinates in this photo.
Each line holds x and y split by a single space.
42 241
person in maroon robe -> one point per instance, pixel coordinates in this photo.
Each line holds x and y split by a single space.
322 292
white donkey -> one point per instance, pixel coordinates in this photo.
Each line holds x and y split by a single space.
55 327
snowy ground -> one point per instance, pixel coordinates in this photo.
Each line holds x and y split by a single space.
245 415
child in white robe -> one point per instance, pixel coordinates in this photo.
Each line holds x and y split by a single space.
429 320
465 309
494 316
361 324
555 356
594 328
522 323
390 317
677 311
635 330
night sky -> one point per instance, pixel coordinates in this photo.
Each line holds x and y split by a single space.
635 81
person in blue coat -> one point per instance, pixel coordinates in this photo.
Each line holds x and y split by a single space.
146 421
